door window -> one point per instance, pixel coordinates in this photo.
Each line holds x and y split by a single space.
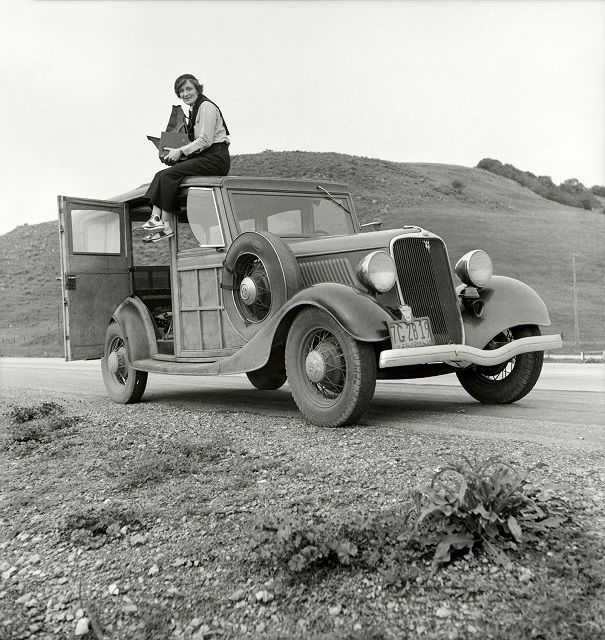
95 231
203 218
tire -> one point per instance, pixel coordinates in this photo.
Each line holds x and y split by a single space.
266 381
507 382
124 384
332 376
260 274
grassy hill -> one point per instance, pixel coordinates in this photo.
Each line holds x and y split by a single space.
528 238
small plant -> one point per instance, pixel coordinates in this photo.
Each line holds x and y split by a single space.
487 503
458 185
308 542
158 463
20 414
32 425
93 526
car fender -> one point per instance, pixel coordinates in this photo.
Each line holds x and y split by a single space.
357 312
508 303
137 326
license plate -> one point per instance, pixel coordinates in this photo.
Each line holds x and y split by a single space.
416 333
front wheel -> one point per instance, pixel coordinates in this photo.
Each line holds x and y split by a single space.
332 376
507 382
124 384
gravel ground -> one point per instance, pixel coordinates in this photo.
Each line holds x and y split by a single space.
134 522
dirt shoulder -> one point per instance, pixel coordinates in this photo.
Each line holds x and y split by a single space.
140 522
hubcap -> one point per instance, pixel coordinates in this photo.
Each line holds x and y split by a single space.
113 362
315 366
247 291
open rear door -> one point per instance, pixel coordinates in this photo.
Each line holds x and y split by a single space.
94 271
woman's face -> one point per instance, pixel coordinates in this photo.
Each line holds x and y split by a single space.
188 93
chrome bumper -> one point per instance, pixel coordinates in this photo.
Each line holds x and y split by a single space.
462 356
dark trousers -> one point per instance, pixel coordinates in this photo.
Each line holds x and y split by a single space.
163 190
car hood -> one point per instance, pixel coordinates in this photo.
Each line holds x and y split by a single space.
357 242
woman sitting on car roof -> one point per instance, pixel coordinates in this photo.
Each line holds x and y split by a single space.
207 154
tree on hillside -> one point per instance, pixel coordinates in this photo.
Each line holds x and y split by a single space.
572 185
570 192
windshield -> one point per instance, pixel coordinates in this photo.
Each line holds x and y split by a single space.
291 215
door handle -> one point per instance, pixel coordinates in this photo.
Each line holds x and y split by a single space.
70 281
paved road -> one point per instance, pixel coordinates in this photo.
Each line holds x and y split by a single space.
566 406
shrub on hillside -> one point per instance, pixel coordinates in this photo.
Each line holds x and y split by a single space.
571 192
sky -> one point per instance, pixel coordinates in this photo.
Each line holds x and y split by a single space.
443 81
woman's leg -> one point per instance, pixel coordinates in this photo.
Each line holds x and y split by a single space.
163 190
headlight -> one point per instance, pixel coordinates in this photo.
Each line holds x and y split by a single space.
377 271
475 268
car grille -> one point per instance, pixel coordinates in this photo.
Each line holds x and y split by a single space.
426 285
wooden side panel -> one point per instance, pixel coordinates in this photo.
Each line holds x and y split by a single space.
204 327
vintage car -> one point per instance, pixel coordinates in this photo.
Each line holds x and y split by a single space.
276 279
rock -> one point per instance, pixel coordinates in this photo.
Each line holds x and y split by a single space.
335 610
4 566
240 594
195 623
24 598
130 608
137 539
81 627
525 575
443 612
153 570
35 559
113 589
264 596
8 573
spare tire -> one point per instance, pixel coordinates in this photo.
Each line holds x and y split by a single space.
260 274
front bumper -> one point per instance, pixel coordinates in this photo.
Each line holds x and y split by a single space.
462 356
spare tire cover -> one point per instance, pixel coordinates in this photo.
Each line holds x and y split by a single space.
260 274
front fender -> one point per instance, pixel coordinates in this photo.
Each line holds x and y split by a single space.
356 312
137 326
508 303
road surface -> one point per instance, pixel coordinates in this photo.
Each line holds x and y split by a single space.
566 406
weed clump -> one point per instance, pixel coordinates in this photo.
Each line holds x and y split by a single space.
30 426
160 462
488 504
92 526
465 507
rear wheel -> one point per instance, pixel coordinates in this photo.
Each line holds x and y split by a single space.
332 375
124 384
509 381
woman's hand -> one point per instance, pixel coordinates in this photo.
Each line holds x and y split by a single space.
172 156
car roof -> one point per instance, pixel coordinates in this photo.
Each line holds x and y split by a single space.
243 182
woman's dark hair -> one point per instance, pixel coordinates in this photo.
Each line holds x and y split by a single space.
180 81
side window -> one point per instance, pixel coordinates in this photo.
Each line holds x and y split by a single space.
95 231
204 221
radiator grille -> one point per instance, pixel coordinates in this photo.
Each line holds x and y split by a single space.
426 285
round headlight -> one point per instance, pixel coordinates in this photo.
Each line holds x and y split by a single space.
475 268
377 271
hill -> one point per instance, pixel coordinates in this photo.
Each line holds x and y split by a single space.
527 236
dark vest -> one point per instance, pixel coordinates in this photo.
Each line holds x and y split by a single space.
196 107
